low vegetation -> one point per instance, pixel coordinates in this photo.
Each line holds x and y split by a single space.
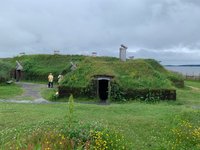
5 69
135 125
79 136
8 91
69 135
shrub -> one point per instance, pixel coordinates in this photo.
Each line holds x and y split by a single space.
117 93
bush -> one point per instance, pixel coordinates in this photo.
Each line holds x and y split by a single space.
117 93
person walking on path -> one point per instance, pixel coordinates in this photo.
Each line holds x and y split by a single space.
50 79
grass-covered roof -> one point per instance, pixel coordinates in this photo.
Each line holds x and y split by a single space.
138 73
43 64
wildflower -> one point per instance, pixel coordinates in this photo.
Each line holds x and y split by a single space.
63 137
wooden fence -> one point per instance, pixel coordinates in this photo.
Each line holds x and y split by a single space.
192 77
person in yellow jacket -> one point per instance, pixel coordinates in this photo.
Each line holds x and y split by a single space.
50 79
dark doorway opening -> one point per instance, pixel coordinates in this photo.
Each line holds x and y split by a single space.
103 89
18 75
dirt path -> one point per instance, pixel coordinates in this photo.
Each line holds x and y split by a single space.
31 90
31 94
193 88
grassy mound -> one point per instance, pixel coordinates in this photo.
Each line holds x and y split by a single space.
137 74
135 79
144 74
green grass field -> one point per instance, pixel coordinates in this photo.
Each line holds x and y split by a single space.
144 126
9 91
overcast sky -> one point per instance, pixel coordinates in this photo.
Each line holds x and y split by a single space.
166 30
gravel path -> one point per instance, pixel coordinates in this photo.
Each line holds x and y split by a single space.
31 90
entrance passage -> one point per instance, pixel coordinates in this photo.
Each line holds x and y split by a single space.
103 89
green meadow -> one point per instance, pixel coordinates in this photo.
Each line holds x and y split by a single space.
9 91
160 125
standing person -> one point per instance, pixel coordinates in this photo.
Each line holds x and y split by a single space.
50 79
60 77
19 68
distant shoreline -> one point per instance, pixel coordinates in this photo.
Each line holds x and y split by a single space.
193 70
182 65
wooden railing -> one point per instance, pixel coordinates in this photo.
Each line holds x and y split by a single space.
192 77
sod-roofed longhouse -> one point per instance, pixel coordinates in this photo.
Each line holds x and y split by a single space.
116 80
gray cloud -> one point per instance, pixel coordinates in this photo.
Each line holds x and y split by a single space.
81 27
167 57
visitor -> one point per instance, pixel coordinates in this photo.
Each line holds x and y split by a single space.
50 79
60 77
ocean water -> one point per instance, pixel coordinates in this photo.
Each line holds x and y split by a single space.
185 70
